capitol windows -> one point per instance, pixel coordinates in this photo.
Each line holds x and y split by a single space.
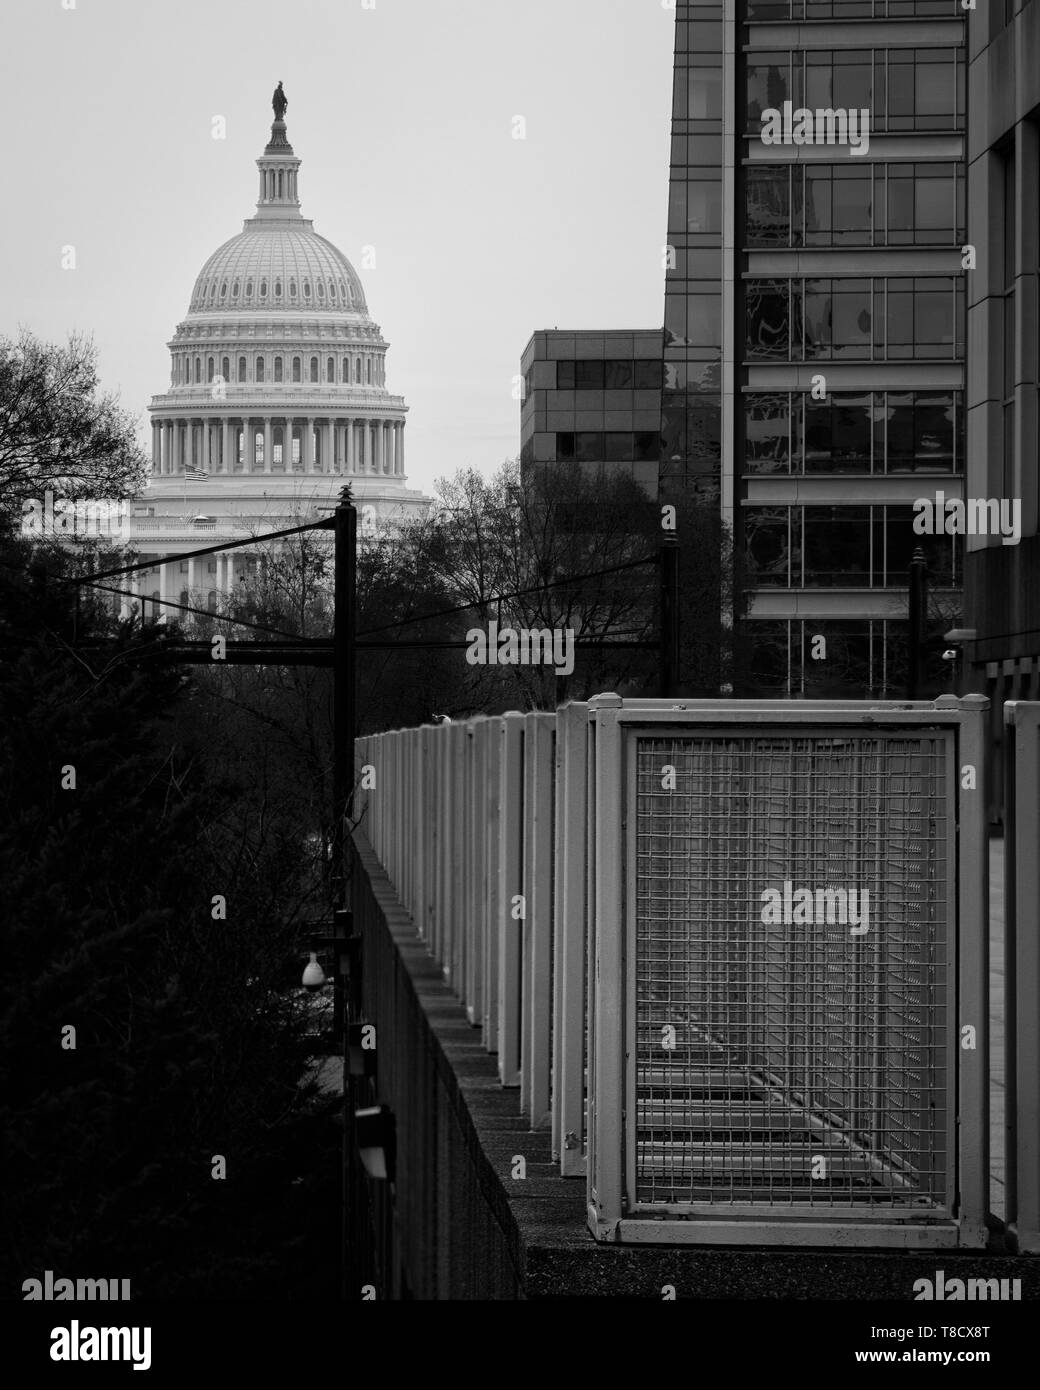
368 363
332 289
249 289
357 371
241 369
263 289
278 289
234 290
330 369
225 368
292 289
320 288
223 290
346 371
297 368
277 369
210 369
306 289
314 370
198 369
259 369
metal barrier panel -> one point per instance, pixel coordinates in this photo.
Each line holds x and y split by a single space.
476 867
492 737
569 946
510 887
778 956
1022 971
536 926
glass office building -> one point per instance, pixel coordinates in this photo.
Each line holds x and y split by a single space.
814 321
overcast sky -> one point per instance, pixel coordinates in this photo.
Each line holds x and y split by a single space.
403 114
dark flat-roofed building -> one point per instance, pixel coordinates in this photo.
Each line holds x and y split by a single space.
593 399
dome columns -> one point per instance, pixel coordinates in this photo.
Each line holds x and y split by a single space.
328 444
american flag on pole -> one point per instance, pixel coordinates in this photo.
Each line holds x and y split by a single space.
196 475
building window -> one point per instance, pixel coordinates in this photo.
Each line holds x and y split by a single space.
225 368
210 369
223 290
771 437
768 318
1009 252
241 369
259 369
277 369
923 431
296 369
278 289
839 434
292 289
198 369
211 600
837 319
771 538
368 366
320 288
263 289
330 369
836 547
306 289
357 371
346 370
314 369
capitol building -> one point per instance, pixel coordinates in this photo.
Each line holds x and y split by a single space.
277 398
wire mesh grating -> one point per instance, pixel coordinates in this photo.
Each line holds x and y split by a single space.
806 1064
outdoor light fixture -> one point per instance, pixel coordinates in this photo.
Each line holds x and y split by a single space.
377 1140
313 975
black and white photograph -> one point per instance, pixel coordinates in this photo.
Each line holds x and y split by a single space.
519 681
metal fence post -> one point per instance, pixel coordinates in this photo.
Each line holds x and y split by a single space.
973 956
569 918
606 982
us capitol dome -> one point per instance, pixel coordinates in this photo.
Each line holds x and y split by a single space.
277 398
